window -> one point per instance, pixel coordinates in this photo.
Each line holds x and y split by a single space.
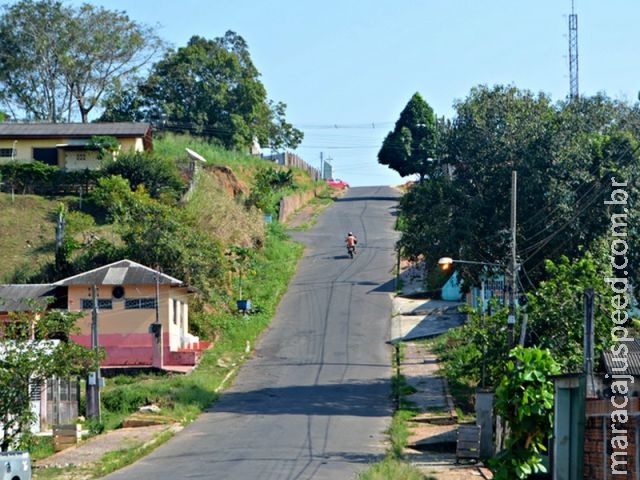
7 153
81 156
46 155
140 303
103 304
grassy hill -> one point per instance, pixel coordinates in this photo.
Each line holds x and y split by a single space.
27 234
28 222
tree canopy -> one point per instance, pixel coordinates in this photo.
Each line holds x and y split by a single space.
565 156
57 61
413 145
209 88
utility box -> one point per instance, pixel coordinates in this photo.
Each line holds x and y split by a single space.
244 306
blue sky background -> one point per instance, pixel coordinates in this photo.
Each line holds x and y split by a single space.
347 68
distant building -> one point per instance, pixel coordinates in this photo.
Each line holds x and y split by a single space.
68 145
143 314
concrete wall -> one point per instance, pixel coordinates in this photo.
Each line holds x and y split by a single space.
290 204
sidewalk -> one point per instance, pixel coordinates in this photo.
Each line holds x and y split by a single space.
431 445
90 451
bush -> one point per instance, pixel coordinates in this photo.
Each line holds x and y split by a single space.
159 175
125 399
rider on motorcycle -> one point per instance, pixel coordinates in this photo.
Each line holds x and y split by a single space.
351 240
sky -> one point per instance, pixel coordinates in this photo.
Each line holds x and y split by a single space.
347 68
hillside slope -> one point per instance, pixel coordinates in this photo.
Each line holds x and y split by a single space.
27 234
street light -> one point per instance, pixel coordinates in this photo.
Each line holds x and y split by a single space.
446 262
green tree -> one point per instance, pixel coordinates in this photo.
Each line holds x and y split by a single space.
556 308
30 352
106 145
267 188
211 88
57 61
412 146
124 103
565 156
475 354
157 234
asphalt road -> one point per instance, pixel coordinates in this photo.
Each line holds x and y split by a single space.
314 400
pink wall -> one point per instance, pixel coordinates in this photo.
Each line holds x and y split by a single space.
136 349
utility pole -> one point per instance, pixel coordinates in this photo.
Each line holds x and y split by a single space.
589 294
513 263
321 167
156 328
93 383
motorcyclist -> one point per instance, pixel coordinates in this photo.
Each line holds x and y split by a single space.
351 240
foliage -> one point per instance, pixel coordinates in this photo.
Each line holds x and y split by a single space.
556 309
565 156
231 223
27 177
159 175
30 354
241 262
475 353
267 188
413 145
126 399
524 399
226 102
106 145
42 179
160 235
57 61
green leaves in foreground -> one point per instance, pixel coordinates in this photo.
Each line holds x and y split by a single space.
524 399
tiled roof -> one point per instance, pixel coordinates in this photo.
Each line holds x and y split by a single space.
18 298
123 272
72 130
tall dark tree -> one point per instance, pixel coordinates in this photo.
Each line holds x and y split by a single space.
56 62
412 147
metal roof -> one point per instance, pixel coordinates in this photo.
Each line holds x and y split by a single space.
629 366
20 298
123 272
72 130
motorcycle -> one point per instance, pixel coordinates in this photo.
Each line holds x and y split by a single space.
351 250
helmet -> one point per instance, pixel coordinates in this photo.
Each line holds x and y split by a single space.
349 234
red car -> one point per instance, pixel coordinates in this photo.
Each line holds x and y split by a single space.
337 183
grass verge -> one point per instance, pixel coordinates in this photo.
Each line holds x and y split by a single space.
393 466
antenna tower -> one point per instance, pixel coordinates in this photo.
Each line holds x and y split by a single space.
573 54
